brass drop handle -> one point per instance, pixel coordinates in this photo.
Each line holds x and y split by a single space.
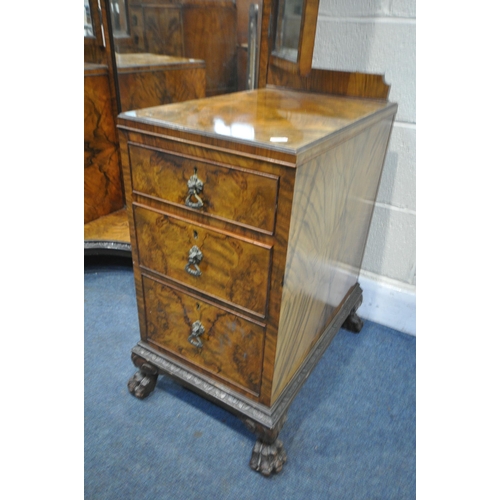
195 187
197 329
194 258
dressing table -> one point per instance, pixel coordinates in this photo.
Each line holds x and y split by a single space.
248 215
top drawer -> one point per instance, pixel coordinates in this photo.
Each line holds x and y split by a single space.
241 196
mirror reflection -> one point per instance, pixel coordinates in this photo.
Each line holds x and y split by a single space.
119 20
288 29
88 28
163 47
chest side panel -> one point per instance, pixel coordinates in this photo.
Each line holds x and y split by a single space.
332 207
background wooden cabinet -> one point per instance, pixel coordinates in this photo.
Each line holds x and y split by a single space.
198 29
103 193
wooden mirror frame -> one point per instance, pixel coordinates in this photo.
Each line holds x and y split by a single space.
95 14
278 72
307 35
303 66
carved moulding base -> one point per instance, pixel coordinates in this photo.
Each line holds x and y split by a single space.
268 454
107 247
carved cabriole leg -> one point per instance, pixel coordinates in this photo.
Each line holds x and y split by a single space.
143 382
268 454
353 322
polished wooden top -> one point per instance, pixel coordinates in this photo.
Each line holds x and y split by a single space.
149 62
279 119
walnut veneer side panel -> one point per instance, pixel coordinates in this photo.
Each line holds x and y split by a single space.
103 192
332 208
153 88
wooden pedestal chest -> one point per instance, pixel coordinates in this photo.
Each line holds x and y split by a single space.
249 214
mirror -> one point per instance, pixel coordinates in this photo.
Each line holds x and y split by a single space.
294 34
92 33
88 25
119 18
286 43
162 46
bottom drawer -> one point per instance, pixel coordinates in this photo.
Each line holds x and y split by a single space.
222 343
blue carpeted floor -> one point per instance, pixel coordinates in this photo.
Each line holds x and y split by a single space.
350 432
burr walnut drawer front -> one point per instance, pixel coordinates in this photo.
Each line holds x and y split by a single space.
213 262
222 343
241 196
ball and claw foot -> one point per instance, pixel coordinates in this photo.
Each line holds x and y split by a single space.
141 385
143 382
268 458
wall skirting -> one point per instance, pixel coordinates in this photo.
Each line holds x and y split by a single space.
388 304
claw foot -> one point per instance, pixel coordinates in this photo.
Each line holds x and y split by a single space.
141 384
268 458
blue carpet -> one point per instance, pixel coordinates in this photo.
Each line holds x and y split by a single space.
350 432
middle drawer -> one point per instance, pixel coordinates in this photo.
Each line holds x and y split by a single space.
213 262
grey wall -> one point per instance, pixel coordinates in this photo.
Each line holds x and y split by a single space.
379 36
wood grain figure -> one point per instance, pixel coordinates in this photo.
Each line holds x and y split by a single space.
230 346
163 30
333 201
230 268
147 80
112 227
103 191
234 194
210 34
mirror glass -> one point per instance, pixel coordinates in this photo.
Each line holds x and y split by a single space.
288 25
119 18
174 50
88 27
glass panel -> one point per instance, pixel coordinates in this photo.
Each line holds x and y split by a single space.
88 27
119 17
288 29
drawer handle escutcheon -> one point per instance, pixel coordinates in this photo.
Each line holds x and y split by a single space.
197 329
195 187
194 258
